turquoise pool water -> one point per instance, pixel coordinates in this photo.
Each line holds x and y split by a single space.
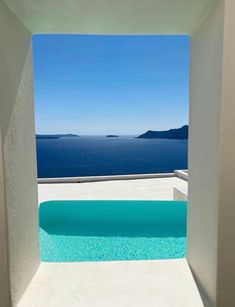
112 230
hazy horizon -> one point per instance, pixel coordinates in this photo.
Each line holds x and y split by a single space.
98 85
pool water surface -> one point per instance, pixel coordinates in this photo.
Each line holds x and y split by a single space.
72 231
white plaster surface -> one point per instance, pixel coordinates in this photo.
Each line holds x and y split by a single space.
180 193
5 293
21 188
204 151
162 283
159 188
18 150
226 236
111 16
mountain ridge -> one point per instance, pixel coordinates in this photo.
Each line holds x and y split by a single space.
176 134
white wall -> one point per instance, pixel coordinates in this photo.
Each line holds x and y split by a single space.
211 227
226 220
5 296
204 122
18 141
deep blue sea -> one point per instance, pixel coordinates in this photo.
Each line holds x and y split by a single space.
98 155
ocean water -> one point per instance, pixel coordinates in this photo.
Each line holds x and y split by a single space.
112 230
96 156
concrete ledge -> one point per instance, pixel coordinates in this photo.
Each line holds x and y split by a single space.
180 193
183 174
103 178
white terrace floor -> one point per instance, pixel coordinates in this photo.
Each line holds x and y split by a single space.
160 283
152 189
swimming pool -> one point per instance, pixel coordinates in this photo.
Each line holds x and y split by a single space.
111 230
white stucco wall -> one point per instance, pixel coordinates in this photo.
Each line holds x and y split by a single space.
5 296
18 142
226 226
211 230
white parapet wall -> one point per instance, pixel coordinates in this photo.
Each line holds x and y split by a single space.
183 174
104 178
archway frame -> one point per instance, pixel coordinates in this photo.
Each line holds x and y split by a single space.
211 146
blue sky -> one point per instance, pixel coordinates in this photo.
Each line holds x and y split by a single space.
95 84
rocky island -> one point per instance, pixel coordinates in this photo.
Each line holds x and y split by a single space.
111 136
176 134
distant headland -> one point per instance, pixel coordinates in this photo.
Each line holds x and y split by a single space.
111 136
56 136
177 134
